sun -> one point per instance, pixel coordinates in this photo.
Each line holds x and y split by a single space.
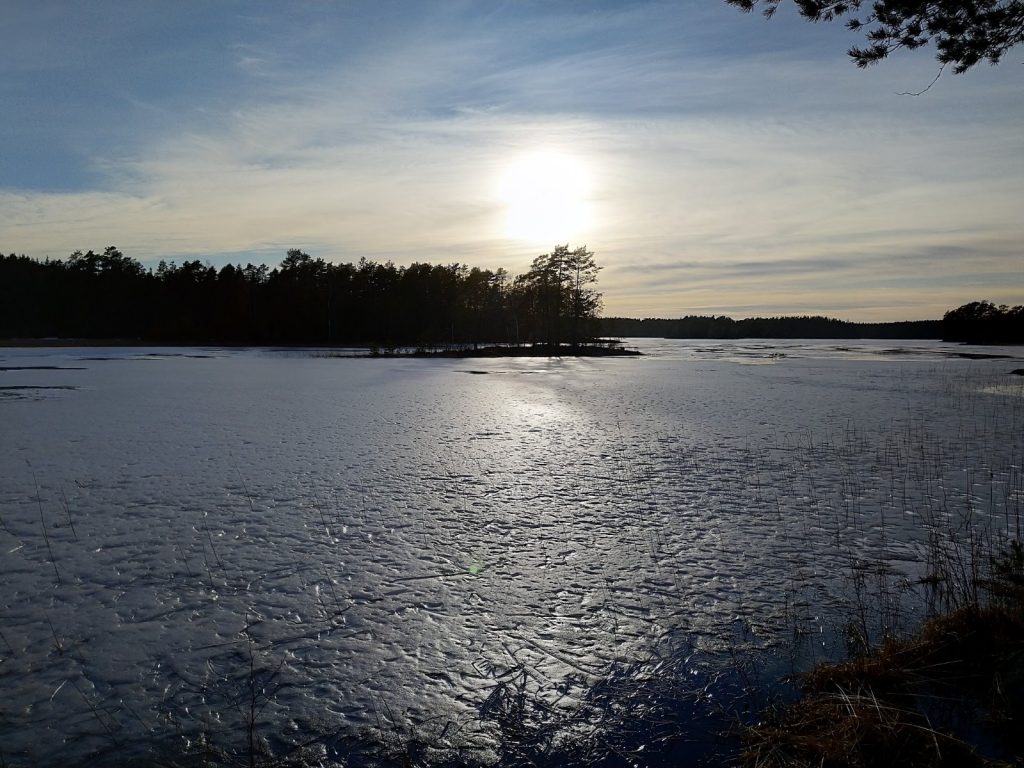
546 198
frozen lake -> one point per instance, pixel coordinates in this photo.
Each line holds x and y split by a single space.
379 545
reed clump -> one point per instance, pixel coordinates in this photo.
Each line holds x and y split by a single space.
950 694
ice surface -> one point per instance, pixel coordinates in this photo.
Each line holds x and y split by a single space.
394 536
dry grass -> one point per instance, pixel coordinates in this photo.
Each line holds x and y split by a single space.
940 697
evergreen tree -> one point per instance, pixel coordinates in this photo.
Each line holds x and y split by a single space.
964 32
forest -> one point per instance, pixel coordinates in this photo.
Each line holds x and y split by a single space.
305 300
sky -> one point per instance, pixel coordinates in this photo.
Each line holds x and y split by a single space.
715 162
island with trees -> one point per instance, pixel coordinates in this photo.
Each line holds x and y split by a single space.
421 309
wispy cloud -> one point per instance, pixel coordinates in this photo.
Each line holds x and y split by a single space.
726 173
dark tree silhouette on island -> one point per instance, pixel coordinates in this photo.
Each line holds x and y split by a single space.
965 32
556 295
304 300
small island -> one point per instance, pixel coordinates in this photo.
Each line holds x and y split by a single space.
592 348
420 310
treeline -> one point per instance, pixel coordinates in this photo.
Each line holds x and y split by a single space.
979 322
304 300
982 322
803 327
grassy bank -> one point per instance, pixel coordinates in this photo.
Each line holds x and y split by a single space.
949 694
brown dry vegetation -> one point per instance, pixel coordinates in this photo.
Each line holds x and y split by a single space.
951 695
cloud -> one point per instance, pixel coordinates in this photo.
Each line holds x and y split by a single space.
727 174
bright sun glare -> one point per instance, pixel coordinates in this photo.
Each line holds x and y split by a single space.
546 197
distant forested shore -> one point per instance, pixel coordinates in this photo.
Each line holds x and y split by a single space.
429 307
979 322
797 327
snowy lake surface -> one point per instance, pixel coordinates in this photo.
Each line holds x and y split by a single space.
389 540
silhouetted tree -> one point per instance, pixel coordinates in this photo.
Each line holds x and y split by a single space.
104 295
186 301
556 297
584 302
374 289
233 309
484 312
965 32
30 293
298 295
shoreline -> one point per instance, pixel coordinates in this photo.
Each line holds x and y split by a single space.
499 352
606 349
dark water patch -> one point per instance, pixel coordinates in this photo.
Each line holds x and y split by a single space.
41 368
186 355
122 358
30 391
36 386
899 351
150 356
979 356
1017 372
